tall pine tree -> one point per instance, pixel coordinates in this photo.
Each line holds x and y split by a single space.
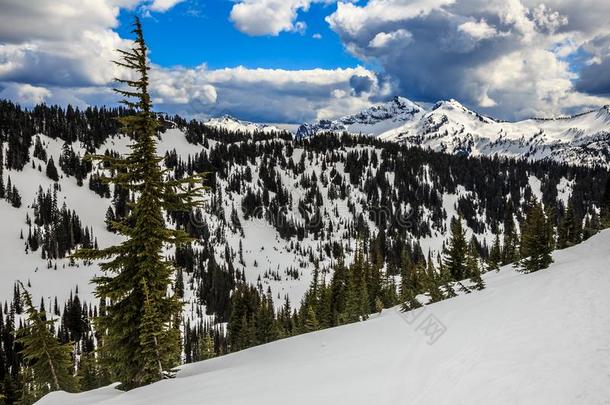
142 340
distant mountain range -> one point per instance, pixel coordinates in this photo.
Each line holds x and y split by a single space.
448 126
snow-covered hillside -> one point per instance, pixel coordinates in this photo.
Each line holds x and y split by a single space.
258 250
450 127
526 339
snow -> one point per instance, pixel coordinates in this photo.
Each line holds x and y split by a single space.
234 125
536 187
526 339
564 190
451 127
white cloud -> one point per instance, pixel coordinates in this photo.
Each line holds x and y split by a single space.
317 36
271 17
163 5
506 57
267 17
24 93
547 19
352 18
400 37
273 95
63 42
478 29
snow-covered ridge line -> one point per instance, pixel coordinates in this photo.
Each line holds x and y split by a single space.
448 126
235 125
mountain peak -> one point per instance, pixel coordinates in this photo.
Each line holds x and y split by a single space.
370 121
404 102
451 104
231 123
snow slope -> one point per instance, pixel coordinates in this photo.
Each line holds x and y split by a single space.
450 127
526 339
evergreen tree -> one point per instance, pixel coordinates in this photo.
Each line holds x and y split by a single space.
510 251
110 218
474 271
49 361
310 323
339 293
88 372
432 285
455 254
15 197
408 291
51 170
536 240
206 347
142 340
495 255
605 206
569 230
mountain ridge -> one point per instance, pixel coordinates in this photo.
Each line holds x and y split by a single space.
448 126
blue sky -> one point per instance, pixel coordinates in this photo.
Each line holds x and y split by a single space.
192 33
259 60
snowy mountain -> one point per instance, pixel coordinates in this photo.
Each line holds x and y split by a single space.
371 121
527 338
450 127
234 125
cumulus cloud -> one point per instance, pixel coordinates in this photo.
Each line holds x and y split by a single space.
274 95
268 17
271 17
594 77
24 93
66 43
505 57
400 37
361 84
478 29
162 5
